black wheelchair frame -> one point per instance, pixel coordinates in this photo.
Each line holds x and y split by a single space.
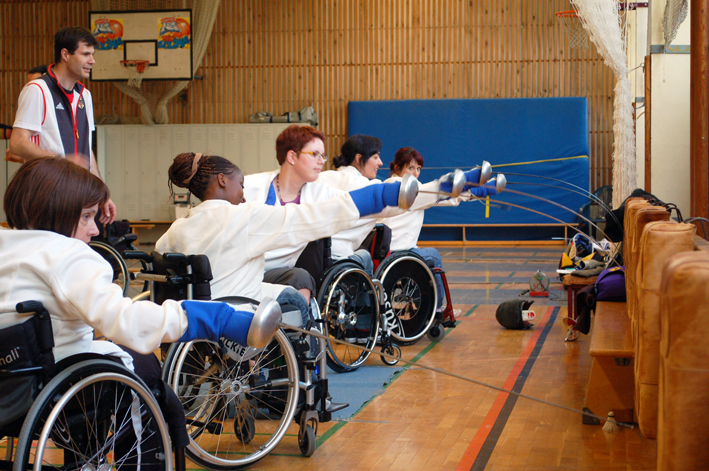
93 409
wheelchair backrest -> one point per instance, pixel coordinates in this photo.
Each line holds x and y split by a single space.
26 361
378 243
316 257
183 271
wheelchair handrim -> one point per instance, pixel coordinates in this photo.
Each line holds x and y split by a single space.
384 270
64 399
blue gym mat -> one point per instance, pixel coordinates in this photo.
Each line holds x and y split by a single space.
358 387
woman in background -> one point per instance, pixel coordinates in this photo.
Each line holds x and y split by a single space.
235 234
406 228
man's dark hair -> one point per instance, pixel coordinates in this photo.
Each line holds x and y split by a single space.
69 38
40 69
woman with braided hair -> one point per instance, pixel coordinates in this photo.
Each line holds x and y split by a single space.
235 234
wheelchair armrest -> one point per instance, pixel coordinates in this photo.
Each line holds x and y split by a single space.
137 255
30 306
125 238
176 258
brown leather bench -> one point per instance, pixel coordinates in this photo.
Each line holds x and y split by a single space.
683 427
660 241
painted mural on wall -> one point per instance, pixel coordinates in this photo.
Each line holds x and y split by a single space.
174 33
108 33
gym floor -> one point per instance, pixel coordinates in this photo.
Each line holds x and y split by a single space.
425 420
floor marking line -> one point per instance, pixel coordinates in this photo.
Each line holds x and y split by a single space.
504 402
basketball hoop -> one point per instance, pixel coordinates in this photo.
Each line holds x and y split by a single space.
136 69
578 39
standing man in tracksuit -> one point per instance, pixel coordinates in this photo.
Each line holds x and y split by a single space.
55 115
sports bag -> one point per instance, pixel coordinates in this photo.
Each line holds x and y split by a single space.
610 285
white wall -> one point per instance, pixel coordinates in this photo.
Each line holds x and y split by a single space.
669 132
134 159
637 45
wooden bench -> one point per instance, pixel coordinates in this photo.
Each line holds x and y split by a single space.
612 382
611 385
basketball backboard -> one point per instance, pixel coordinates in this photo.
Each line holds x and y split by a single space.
163 37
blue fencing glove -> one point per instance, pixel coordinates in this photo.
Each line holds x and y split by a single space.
452 184
492 187
373 199
473 176
211 320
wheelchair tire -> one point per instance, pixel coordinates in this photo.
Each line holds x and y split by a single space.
121 276
224 384
349 308
411 291
436 332
92 411
308 442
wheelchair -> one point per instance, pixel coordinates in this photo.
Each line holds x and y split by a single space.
239 401
86 411
352 304
409 282
111 245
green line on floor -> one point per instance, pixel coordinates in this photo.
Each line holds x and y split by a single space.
472 309
325 436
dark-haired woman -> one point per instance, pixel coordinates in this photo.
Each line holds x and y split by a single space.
406 227
357 167
50 206
235 234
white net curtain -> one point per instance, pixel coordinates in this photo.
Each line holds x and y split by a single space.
153 99
606 29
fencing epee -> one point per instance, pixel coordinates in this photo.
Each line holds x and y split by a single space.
606 29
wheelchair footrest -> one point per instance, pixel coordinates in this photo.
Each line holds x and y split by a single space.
448 323
335 406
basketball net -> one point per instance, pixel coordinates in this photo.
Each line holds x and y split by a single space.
675 13
136 69
154 96
578 38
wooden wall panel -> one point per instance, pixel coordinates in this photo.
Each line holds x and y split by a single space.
281 55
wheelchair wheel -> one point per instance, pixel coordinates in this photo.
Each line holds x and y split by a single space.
121 276
349 307
94 415
411 291
239 402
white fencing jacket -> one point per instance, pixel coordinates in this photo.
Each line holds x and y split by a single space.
257 188
74 284
236 237
348 178
406 228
